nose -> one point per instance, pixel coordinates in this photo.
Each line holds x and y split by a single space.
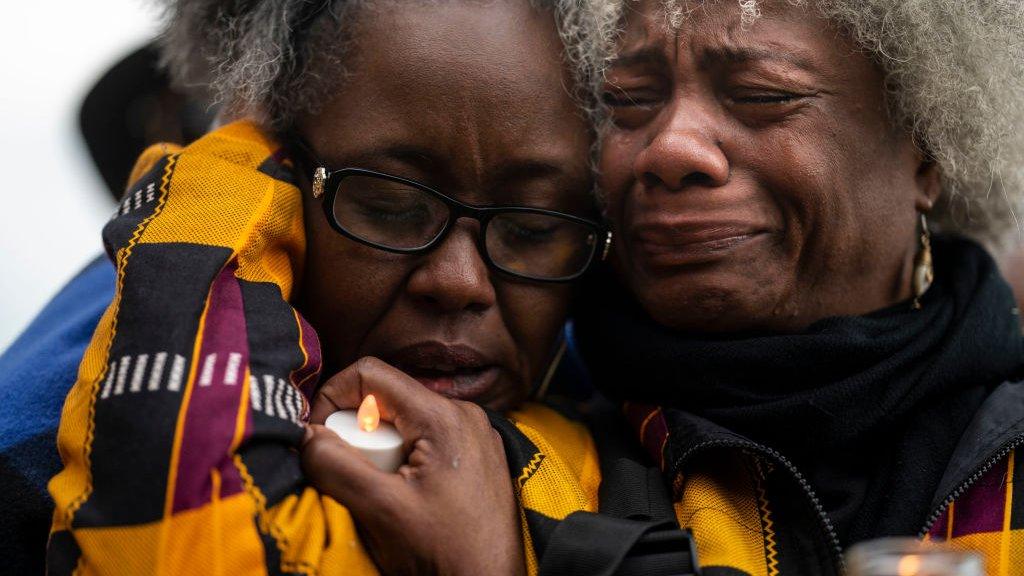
453 276
683 152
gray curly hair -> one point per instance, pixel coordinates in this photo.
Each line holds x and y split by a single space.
955 79
274 60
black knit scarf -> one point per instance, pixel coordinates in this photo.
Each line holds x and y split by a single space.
870 408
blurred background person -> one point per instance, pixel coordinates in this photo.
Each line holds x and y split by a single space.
78 111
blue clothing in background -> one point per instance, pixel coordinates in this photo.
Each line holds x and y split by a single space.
36 373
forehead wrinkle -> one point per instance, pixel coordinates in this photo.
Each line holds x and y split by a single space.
734 46
644 55
736 54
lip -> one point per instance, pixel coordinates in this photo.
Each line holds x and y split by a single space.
689 242
453 370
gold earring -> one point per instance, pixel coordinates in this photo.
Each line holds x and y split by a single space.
924 273
319 178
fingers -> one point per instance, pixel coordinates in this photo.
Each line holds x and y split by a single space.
343 473
474 421
401 399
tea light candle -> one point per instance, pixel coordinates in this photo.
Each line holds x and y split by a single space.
378 441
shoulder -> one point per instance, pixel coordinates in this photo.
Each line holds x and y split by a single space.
565 451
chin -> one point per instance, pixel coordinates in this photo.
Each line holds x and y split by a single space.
703 305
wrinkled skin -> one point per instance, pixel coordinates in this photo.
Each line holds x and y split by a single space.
447 94
754 180
452 96
450 509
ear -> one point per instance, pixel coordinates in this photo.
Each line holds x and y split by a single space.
928 180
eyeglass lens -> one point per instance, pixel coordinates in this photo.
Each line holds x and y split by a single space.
389 213
539 245
403 217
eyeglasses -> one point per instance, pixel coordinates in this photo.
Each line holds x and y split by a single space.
404 216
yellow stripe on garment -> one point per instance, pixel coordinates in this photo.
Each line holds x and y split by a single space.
243 411
1003 549
1004 552
771 551
179 427
719 503
214 537
150 156
949 520
71 487
566 475
218 176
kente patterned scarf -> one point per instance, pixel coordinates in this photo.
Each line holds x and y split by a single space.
179 437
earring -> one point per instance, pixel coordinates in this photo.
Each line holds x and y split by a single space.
924 274
319 177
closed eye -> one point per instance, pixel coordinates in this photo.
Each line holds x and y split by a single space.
767 98
622 99
632 106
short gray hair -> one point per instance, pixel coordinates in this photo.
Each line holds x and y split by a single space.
955 79
275 59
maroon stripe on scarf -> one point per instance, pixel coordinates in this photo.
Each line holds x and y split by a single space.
938 530
651 427
305 377
216 396
982 507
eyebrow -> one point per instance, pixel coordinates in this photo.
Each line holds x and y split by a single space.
733 54
526 170
417 157
644 55
742 54
423 159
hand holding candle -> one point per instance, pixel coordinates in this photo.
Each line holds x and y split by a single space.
450 509
378 441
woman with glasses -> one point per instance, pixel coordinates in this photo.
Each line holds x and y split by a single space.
401 209
521 237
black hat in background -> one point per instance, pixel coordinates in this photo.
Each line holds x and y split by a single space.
133 106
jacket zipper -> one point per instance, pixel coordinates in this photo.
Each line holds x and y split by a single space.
826 524
963 486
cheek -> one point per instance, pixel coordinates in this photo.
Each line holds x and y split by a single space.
618 152
833 187
346 289
534 315
799 177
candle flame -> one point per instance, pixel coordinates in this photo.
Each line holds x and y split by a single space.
368 414
909 565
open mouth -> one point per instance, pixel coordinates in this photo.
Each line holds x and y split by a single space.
461 383
455 371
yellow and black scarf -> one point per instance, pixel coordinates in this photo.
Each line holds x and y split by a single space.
178 438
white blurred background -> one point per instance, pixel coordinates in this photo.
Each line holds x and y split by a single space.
54 202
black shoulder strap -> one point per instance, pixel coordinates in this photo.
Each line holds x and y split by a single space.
635 531
631 486
591 544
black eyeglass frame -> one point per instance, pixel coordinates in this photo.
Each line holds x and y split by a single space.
326 184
